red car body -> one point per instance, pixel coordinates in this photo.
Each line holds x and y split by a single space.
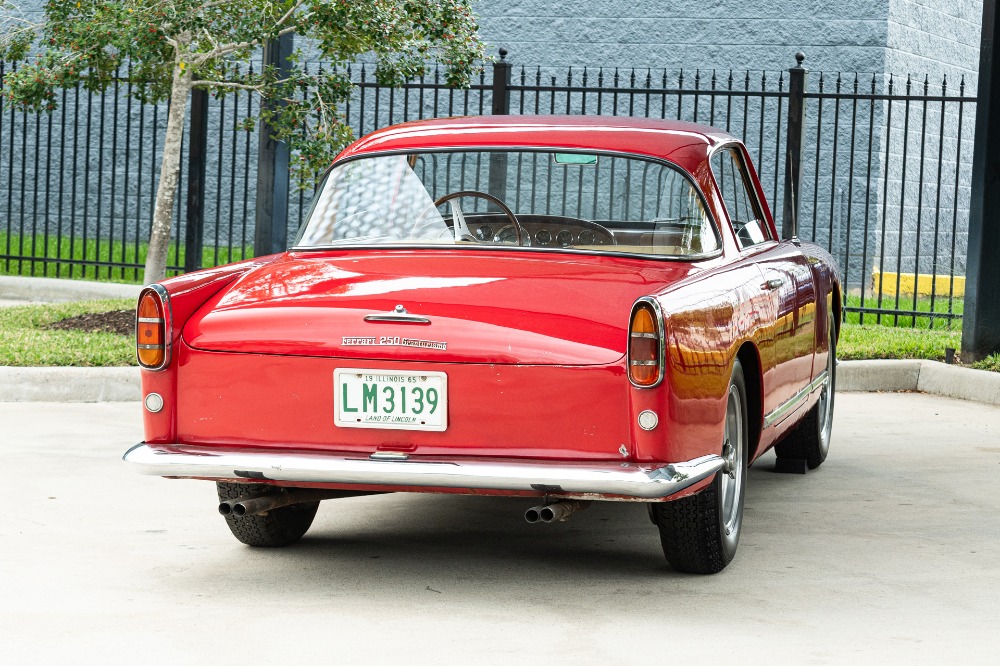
535 346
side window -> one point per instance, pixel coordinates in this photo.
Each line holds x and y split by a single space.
748 221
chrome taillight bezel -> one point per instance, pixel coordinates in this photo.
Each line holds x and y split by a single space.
661 346
161 294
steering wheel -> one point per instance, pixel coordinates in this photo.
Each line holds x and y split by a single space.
459 226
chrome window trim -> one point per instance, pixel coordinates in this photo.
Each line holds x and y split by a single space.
168 318
661 347
728 145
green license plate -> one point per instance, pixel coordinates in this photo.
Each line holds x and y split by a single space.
390 399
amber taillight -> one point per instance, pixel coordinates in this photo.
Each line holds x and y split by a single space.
150 331
644 346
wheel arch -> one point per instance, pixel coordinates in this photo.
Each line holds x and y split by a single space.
838 308
749 357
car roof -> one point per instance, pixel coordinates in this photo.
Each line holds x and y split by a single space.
686 144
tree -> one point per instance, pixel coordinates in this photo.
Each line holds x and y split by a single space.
177 45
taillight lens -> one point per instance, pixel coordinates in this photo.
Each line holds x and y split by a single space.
150 331
644 347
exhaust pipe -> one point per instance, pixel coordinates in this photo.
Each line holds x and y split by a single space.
560 511
555 512
251 506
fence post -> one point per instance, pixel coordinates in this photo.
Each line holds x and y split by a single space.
271 228
198 146
793 147
501 107
501 85
981 320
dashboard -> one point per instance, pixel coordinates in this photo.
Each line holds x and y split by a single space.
539 231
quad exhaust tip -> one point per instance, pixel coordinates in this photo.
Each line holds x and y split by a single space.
555 512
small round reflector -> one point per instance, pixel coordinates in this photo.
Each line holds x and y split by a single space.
154 402
648 420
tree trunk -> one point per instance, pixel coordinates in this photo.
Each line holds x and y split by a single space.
170 168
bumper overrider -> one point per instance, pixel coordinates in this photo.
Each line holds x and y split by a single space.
627 480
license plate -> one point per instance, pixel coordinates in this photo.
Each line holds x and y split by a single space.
393 400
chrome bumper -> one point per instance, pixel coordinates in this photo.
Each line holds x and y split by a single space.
628 480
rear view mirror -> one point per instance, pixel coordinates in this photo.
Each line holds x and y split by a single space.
574 158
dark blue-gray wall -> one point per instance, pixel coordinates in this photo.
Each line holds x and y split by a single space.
920 39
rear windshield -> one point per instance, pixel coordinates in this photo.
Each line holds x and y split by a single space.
545 200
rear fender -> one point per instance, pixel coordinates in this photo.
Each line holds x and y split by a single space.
189 292
185 294
705 327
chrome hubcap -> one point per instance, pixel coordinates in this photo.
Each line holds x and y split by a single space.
729 465
731 481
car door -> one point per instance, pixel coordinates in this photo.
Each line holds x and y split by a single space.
788 344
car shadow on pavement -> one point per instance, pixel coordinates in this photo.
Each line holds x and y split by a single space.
393 541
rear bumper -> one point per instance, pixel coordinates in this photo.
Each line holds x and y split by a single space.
627 480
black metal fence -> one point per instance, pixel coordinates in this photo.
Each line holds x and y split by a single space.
885 168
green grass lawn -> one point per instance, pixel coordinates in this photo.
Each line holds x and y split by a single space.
869 342
54 249
940 304
25 340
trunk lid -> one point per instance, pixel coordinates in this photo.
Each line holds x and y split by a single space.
497 307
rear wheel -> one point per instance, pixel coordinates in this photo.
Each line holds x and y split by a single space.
810 439
700 533
274 528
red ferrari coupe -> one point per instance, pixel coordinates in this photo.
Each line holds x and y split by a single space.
563 309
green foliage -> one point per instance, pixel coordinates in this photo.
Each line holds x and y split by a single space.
991 363
16 33
85 42
26 340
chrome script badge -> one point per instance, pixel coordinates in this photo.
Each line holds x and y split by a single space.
392 341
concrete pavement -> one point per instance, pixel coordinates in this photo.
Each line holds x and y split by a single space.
885 555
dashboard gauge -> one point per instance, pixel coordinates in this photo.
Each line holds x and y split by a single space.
543 237
508 236
564 238
586 237
484 232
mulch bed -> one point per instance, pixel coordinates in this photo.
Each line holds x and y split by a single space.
121 322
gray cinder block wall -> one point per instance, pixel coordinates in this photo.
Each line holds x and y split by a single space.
937 38
930 41
843 35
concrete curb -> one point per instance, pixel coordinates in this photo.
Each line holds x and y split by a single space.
933 377
122 384
957 382
878 375
57 290
69 384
